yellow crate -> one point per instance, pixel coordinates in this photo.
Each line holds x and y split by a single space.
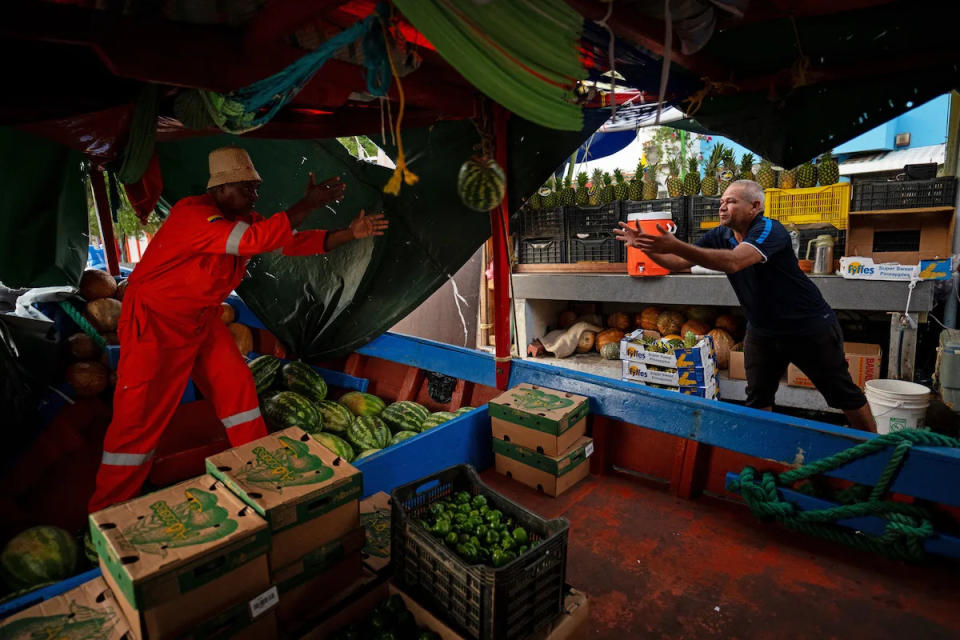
830 204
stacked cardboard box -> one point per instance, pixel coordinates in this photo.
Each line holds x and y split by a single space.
539 437
310 500
688 370
375 517
88 611
187 561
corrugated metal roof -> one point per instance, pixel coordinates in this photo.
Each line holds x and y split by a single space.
893 160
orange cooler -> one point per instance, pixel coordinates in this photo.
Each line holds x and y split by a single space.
639 263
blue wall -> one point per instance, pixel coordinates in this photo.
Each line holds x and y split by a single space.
926 123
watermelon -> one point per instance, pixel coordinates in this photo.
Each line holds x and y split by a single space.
289 409
400 436
437 418
336 444
481 184
362 404
336 417
366 452
89 550
264 370
38 555
404 416
368 432
301 378
463 410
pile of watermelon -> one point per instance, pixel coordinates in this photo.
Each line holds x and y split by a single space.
354 427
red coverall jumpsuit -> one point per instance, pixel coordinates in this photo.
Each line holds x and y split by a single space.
170 331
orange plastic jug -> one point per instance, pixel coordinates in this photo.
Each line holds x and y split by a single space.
638 262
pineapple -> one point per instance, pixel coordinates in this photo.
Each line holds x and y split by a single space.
806 175
568 196
582 197
608 193
787 179
620 189
635 192
709 184
691 182
827 170
550 197
766 176
746 167
674 183
729 172
596 186
650 186
534 201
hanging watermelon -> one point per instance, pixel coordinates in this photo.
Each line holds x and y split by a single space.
481 183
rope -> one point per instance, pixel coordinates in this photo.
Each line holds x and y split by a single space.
401 174
907 527
142 136
612 61
85 326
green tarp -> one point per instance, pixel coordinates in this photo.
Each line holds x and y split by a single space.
43 212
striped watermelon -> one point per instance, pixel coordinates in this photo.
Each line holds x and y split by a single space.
463 410
481 184
366 452
404 416
289 409
301 378
38 555
336 417
437 418
400 436
264 370
336 444
362 404
368 432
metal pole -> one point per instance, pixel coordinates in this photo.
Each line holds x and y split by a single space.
950 162
683 153
106 222
500 234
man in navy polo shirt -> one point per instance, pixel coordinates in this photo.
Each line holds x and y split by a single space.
787 318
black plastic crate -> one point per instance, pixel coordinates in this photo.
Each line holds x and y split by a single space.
591 221
543 250
485 603
544 223
909 194
595 248
702 210
676 206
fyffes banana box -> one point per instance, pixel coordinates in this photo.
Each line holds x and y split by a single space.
178 556
308 495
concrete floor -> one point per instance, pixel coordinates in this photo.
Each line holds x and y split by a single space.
656 566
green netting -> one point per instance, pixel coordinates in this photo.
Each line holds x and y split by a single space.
327 306
43 212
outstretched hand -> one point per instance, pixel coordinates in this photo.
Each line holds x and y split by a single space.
328 191
364 226
665 242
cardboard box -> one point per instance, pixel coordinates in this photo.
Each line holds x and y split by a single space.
701 355
934 225
176 557
570 625
318 577
539 419
861 268
695 377
308 495
375 518
346 607
863 361
551 474
738 369
711 390
245 620
89 611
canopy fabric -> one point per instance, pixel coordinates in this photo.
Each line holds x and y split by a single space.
43 227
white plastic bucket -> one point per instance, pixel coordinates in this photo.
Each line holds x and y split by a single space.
897 404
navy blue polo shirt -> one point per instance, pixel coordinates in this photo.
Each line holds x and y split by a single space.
777 297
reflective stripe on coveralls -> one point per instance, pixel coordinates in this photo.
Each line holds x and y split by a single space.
125 459
233 240
240 418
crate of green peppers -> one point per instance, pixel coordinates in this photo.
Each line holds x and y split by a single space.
390 620
486 564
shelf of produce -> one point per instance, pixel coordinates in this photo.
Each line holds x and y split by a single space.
735 390
682 289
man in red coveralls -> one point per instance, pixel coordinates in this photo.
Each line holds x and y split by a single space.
170 328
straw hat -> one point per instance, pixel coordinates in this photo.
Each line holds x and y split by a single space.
231 164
